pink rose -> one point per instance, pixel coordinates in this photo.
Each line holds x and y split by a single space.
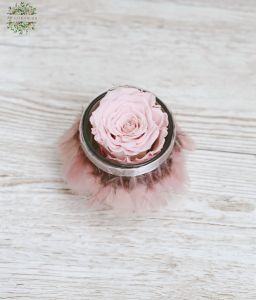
129 125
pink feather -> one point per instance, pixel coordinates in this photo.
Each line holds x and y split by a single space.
124 194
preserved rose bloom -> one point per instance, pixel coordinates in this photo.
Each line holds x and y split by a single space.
129 125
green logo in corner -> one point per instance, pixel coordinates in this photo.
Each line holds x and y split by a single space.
21 18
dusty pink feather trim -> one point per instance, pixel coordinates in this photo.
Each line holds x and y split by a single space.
124 194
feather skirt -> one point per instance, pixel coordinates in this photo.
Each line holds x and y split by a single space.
124 194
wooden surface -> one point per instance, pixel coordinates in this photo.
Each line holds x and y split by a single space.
200 57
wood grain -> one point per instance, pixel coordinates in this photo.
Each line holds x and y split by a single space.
199 57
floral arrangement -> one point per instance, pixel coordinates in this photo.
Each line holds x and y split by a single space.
125 151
